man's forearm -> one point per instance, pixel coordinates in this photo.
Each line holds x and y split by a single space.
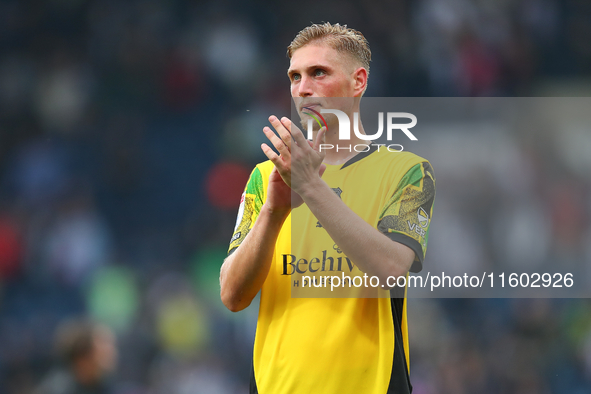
370 250
243 273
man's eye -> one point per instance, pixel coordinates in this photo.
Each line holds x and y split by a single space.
319 73
296 77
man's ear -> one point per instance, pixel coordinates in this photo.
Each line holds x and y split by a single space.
359 81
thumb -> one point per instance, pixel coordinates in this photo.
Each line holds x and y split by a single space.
319 138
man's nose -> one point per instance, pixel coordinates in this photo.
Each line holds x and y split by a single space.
306 87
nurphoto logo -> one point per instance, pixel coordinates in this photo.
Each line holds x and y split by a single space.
345 127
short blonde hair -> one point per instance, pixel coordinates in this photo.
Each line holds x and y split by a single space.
339 37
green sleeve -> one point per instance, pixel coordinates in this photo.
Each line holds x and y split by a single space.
406 217
250 207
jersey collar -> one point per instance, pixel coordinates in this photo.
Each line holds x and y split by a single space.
360 156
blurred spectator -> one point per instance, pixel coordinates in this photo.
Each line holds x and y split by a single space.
39 173
112 297
152 104
231 38
78 242
63 95
11 246
182 81
225 183
89 355
180 321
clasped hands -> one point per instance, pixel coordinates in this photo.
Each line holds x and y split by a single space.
299 163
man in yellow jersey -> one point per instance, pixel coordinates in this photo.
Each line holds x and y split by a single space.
362 213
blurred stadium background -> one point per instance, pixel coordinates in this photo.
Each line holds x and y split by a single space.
127 132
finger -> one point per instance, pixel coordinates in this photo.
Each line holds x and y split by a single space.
280 171
283 131
277 143
319 138
271 155
296 133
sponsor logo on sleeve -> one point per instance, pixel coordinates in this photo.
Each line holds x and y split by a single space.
423 218
236 236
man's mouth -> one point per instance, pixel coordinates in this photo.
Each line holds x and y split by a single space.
313 110
309 107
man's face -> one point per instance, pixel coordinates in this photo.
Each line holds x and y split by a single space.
318 73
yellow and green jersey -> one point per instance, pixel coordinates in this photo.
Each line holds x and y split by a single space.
329 344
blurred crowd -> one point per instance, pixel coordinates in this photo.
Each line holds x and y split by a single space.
129 128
